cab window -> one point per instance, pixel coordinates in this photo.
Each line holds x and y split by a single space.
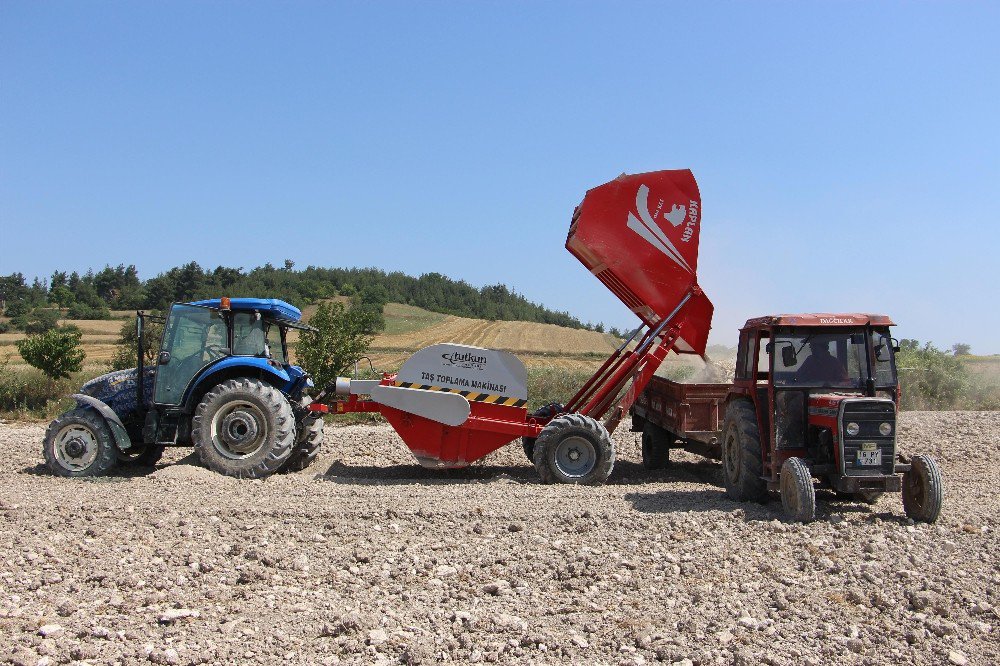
274 345
885 367
763 357
248 334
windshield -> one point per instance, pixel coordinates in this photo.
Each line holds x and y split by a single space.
836 359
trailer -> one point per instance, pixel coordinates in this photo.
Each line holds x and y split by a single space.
673 415
453 404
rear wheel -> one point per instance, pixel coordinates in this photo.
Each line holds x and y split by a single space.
79 443
742 466
244 428
923 490
798 495
308 439
655 446
574 449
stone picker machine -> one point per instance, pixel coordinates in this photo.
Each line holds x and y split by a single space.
453 404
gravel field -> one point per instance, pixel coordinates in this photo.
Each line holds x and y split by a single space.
367 558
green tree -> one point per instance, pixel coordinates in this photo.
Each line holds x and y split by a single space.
127 347
61 296
57 352
931 378
961 349
341 337
40 321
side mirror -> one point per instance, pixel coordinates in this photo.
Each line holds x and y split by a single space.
163 358
788 358
895 344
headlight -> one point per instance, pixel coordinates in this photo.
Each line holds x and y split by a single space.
885 429
853 429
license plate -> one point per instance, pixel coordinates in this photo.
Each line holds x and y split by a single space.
869 458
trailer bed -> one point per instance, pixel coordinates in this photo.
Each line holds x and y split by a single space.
692 414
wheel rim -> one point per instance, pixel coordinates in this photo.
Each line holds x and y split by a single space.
76 447
730 458
575 456
788 495
239 430
915 488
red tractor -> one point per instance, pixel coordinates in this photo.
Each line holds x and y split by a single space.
816 396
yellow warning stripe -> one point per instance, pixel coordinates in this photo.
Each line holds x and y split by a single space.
471 396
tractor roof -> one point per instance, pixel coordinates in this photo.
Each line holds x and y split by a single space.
268 307
820 319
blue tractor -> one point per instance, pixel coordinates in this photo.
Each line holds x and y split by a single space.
222 382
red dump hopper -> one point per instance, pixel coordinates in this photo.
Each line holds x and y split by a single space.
639 235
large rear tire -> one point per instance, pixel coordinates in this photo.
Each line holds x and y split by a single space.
574 448
308 439
742 466
244 428
655 446
923 490
798 494
79 443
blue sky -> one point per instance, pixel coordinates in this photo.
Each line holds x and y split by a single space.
848 153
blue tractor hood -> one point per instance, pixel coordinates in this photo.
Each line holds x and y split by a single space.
268 307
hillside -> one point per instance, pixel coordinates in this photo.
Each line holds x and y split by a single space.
408 329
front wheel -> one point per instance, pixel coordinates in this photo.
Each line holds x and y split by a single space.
574 448
798 495
79 443
923 490
244 428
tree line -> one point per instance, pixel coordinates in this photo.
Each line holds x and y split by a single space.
93 294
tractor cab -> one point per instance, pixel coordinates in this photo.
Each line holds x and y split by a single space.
198 335
822 392
785 362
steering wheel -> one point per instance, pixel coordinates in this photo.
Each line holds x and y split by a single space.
216 350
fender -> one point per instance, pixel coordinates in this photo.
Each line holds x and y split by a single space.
243 364
122 440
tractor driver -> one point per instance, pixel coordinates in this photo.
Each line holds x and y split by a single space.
822 366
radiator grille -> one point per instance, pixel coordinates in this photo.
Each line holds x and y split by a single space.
868 416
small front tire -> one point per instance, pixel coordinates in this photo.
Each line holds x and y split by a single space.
79 443
923 490
798 494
